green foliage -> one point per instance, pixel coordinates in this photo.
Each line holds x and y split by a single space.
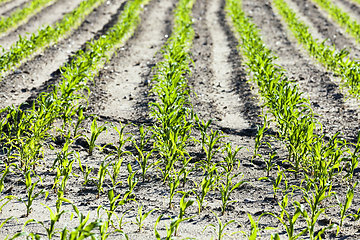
220 228
22 15
44 37
341 17
140 217
337 61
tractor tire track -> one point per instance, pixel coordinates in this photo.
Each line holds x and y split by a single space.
38 74
47 16
326 98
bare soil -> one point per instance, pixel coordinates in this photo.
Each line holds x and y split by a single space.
221 91
8 7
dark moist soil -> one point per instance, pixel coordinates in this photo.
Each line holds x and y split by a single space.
220 91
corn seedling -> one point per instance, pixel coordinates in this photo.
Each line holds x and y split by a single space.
226 187
85 171
211 146
31 193
140 217
346 205
184 204
287 219
114 202
116 166
313 196
174 183
185 169
170 231
230 157
259 136
132 182
220 228
206 185
269 163
123 139
83 230
143 157
54 218
254 228
5 172
80 119
103 170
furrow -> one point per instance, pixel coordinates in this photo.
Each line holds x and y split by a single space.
350 7
47 16
36 76
322 27
122 88
326 98
8 7
22 15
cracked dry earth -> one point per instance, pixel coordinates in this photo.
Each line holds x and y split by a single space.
221 91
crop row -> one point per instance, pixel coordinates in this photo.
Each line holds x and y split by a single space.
164 146
44 37
21 15
4 1
320 163
339 62
24 132
341 17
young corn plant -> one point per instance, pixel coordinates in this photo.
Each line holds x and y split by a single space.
50 229
345 206
132 182
184 204
85 171
287 219
4 173
143 157
230 157
212 145
95 132
206 185
123 139
115 171
140 217
103 170
174 183
226 187
269 163
114 203
32 194
170 231
314 195
259 136
220 228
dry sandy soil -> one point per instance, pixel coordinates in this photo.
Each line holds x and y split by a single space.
221 92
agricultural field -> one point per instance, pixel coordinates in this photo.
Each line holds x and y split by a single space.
179 119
